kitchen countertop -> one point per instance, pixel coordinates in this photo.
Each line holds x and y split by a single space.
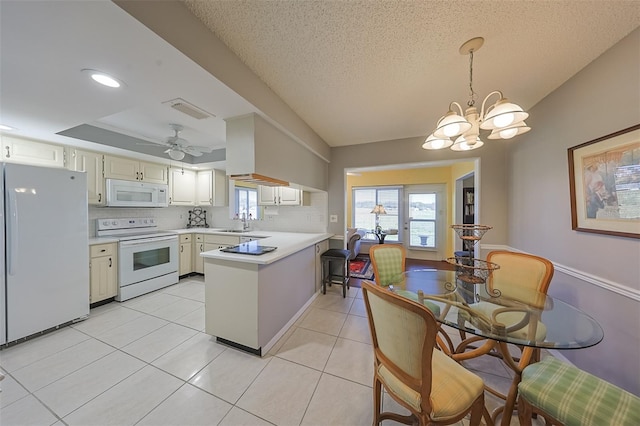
102 240
287 243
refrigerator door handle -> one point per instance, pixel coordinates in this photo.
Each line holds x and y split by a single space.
12 233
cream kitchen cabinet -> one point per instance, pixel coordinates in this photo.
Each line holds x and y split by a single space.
25 151
182 187
198 247
103 269
185 264
211 188
214 242
131 169
92 164
278 196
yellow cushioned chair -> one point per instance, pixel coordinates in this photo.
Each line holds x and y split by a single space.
432 386
521 277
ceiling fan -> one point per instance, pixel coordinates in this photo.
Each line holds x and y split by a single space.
178 146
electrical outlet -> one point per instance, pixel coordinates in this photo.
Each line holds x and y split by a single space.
333 218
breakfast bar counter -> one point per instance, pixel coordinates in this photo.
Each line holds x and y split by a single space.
251 300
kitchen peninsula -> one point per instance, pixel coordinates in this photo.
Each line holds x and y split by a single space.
251 300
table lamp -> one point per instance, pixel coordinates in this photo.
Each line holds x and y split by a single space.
378 210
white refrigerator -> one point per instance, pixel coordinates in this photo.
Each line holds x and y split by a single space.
44 255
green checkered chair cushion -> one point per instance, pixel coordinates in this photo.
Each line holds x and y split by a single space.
388 263
575 397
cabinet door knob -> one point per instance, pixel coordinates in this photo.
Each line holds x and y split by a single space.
103 250
110 262
181 249
141 176
100 197
8 151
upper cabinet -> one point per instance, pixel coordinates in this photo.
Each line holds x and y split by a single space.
211 188
131 169
202 188
182 187
26 151
279 196
92 164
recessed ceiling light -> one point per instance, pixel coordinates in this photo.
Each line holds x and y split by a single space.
3 127
103 78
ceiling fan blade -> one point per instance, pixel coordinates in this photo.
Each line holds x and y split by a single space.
189 150
201 148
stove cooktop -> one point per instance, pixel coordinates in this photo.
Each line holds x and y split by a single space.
252 248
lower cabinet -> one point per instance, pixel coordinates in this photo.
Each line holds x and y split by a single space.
185 265
103 268
198 247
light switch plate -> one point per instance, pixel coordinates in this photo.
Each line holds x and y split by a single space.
333 218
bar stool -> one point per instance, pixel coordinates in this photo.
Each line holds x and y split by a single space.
328 277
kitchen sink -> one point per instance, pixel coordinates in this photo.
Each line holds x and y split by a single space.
235 231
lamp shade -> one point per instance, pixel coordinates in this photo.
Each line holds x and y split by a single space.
451 125
379 209
503 114
509 132
433 142
461 144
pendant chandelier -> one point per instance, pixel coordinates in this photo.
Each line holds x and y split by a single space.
460 130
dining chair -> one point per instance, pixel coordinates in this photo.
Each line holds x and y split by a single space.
519 278
433 387
564 395
388 262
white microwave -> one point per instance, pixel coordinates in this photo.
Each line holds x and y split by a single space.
127 193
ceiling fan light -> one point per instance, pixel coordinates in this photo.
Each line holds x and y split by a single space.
503 114
176 155
433 142
509 132
461 144
451 125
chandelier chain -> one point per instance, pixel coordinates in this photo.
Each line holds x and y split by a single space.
472 94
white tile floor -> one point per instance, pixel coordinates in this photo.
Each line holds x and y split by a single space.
147 361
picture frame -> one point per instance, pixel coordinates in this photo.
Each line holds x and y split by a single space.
604 184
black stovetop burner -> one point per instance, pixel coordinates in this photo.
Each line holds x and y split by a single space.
250 247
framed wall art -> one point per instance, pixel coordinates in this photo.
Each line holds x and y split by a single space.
604 182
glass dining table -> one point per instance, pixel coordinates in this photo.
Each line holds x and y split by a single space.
490 319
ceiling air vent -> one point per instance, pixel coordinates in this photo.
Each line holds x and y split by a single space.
187 108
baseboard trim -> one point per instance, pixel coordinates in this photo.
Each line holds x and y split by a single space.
604 283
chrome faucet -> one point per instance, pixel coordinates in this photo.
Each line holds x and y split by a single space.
245 222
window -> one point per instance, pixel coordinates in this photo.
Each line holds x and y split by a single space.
365 199
247 203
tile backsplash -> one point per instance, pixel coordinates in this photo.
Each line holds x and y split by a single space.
311 218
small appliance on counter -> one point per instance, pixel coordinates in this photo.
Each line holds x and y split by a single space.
197 218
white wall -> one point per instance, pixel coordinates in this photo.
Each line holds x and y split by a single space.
600 274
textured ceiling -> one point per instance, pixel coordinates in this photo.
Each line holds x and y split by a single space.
365 71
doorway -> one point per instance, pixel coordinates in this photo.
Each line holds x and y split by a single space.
424 219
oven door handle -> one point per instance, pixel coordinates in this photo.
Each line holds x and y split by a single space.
147 241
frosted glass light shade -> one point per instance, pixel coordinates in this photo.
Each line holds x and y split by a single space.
433 142
176 155
451 125
503 114
509 132
461 144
